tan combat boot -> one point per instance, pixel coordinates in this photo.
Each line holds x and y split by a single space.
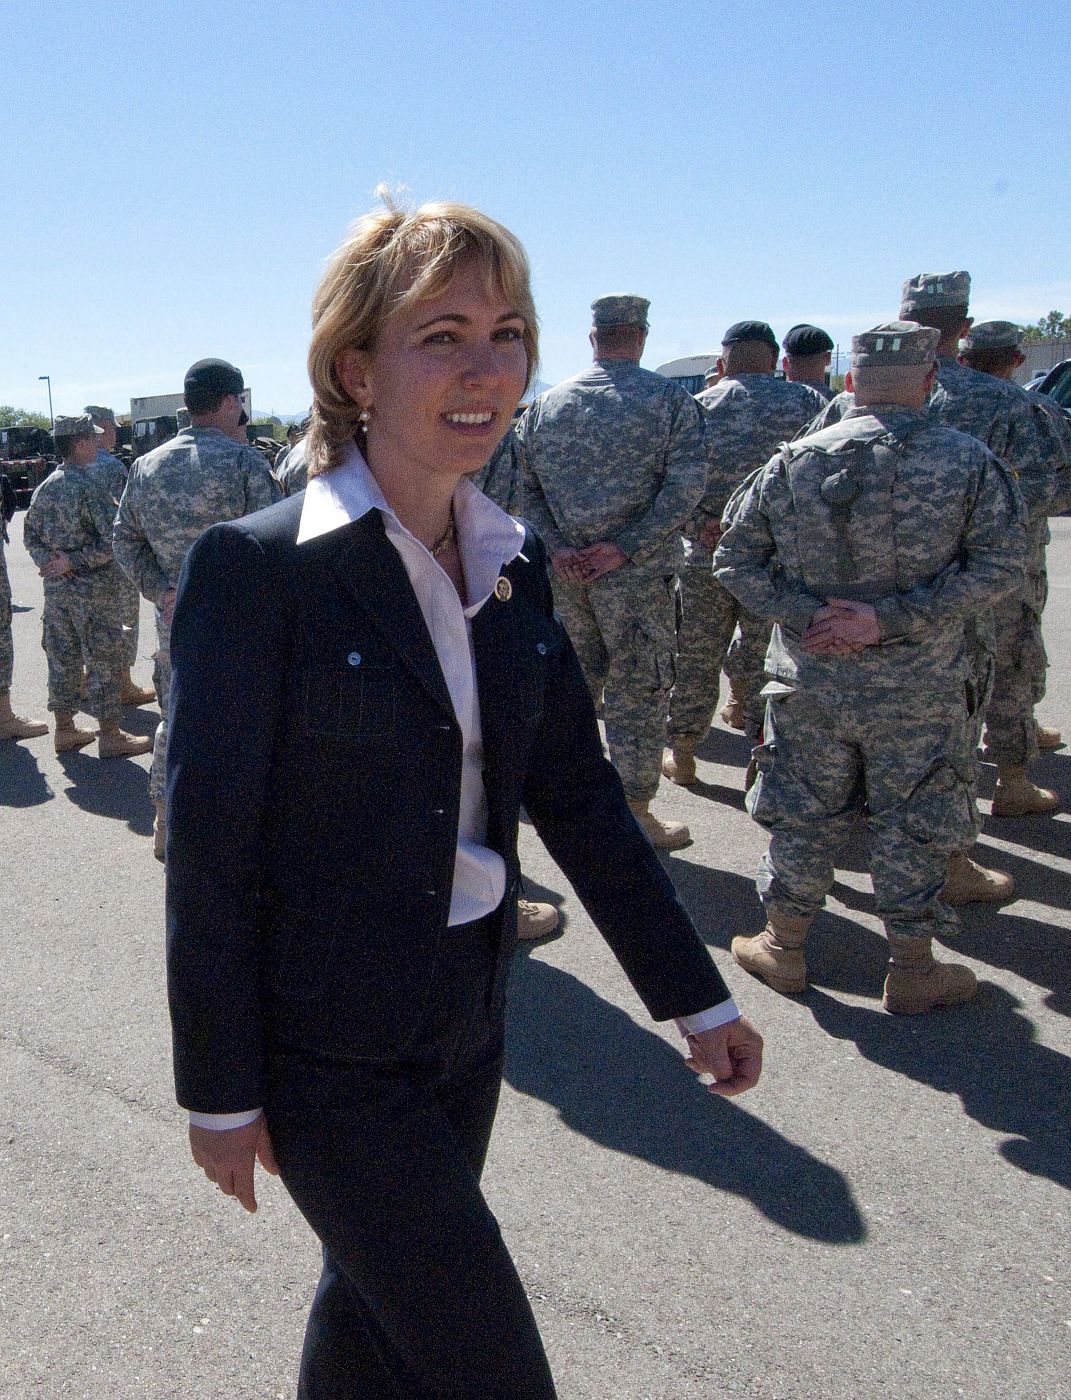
971 883
115 743
663 836
536 919
1048 738
917 982
776 954
68 735
1017 796
159 831
732 712
13 726
133 694
678 763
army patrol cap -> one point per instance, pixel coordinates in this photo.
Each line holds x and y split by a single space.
101 415
933 289
805 340
209 378
741 331
82 426
993 335
621 309
895 345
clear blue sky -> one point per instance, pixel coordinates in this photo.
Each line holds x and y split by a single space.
177 173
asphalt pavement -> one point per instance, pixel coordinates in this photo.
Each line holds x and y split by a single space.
887 1214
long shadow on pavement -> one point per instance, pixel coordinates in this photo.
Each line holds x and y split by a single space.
1038 952
1043 834
987 1055
841 955
22 784
625 1088
114 787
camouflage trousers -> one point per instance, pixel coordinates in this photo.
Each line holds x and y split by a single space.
908 765
161 679
1019 680
7 644
123 601
78 631
623 627
127 602
706 644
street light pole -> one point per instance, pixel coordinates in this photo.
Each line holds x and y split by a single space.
48 381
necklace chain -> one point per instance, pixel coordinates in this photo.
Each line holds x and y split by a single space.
446 538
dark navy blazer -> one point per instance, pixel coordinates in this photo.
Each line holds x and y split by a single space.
314 769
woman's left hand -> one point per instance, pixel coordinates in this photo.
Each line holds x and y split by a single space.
731 1054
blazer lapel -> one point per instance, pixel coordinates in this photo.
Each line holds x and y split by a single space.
494 641
375 578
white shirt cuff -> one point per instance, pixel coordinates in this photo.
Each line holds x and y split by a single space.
220 1122
719 1015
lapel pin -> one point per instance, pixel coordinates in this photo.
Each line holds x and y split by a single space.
503 589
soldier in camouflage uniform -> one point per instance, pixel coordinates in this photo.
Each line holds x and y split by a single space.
868 544
502 477
993 347
1010 422
173 495
68 533
615 464
747 414
127 599
808 352
12 726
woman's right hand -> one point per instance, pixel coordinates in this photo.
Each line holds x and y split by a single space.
228 1156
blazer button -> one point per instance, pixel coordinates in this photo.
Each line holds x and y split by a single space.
354 658
541 647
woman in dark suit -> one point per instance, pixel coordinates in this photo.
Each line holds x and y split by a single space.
368 682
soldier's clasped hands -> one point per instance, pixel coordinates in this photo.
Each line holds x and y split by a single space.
842 627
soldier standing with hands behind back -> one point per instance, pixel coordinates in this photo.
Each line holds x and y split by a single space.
615 463
68 534
127 599
868 544
173 495
747 413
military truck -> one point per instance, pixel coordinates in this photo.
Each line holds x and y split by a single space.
27 455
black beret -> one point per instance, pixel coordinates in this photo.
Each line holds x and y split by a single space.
209 378
806 340
750 330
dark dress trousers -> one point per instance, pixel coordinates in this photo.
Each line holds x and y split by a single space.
313 788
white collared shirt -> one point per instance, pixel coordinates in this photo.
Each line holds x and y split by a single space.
487 539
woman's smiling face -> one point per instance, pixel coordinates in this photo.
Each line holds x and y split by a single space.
443 381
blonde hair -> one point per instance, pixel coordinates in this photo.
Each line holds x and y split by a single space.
392 258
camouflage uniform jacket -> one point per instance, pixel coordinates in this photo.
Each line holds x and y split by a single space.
71 511
617 453
890 508
501 478
746 420
294 475
1010 421
112 473
174 493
